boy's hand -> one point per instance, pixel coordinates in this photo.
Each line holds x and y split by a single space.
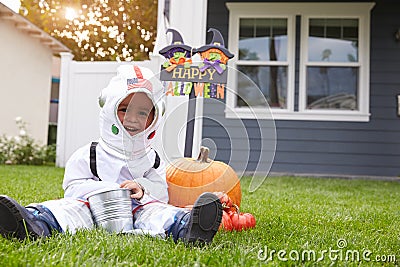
136 189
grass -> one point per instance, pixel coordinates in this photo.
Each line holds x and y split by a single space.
295 216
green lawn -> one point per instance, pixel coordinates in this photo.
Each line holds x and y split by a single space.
300 221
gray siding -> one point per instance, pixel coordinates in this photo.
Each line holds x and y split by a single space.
342 148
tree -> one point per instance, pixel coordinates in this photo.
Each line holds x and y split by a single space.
98 30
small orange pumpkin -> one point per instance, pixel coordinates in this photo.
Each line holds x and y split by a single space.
188 178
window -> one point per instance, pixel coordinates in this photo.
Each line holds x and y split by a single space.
262 56
332 60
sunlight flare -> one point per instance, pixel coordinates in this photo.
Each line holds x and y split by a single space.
70 13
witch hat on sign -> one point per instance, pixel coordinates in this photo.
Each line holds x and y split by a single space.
177 52
214 55
217 45
177 45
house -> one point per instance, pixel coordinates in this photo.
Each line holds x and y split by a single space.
313 88
26 74
330 74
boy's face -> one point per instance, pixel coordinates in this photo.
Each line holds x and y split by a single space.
136 113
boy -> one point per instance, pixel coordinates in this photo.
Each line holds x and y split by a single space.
123 158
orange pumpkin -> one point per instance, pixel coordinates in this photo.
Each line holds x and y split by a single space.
187 178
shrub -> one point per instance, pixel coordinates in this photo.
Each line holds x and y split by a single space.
23 149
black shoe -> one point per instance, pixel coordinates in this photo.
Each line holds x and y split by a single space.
17 221
202 223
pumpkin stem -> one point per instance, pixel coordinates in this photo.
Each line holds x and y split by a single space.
237 208
203 155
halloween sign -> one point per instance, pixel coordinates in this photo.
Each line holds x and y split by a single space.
206 79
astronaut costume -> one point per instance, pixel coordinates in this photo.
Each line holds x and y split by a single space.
117 157
120 156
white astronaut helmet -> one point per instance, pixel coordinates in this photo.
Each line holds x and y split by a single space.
115 139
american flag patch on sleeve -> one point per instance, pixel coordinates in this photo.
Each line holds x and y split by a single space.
131 82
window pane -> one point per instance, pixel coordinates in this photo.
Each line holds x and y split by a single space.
263 39
258 83
334 40
332 88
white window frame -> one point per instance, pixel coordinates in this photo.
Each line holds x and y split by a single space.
360 11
